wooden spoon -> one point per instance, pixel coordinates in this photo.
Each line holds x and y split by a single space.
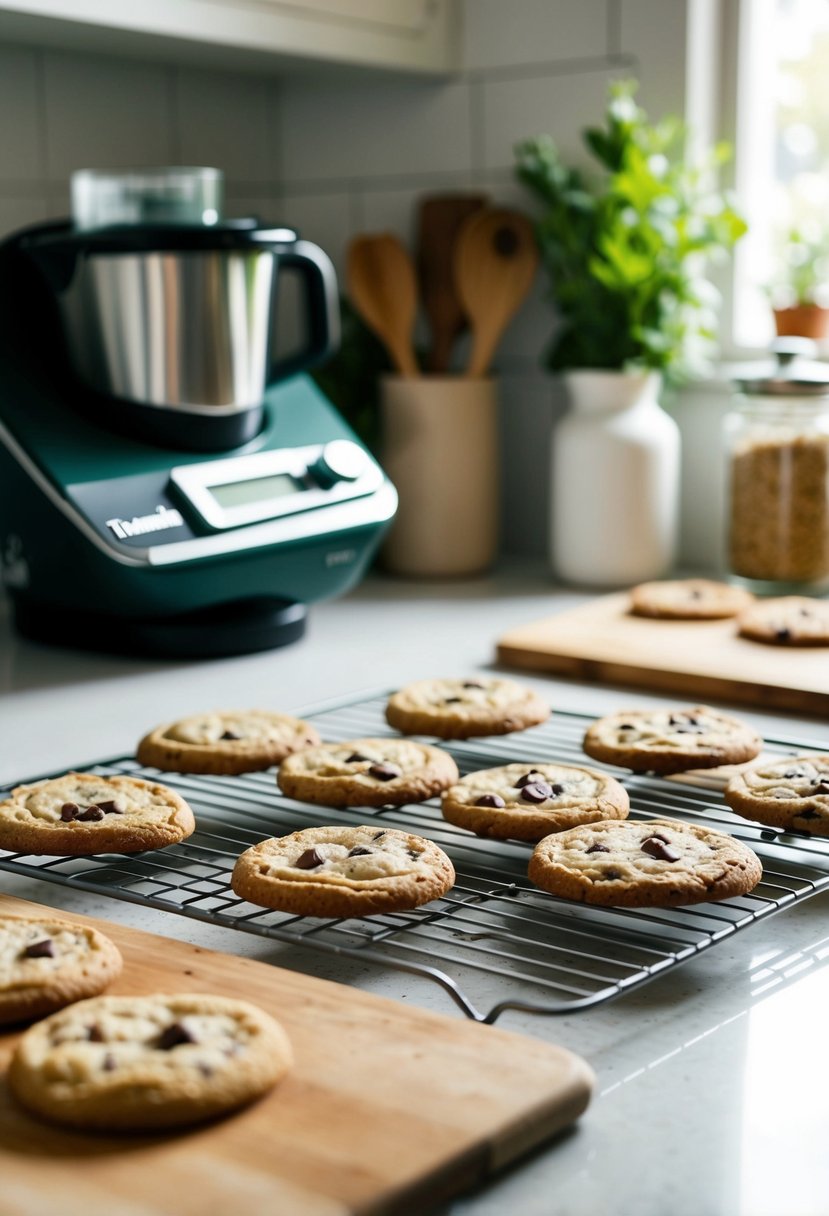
495 260
383 289
439 221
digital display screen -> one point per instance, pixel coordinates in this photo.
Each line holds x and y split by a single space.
255 490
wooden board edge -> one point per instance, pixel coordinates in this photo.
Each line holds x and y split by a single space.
710 688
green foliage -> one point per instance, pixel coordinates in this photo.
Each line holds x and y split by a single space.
804 266
625 251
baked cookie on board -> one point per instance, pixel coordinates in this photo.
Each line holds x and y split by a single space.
225 742
80 814
461 709
148 1062
528 801
790 620
343 871
792 792
689 599
46 963
661 863
367 772
671 740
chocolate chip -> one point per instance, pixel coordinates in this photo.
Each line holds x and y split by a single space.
655 846
205 1069
110 1063
611 873
359 851
529 778
808 813
598 848
537 792
556 789
472 684
229 734
43 949
378 835
385 772
783 634
173 1036
68 811
626 726
91 815
414 853
452 700
94 1033
110 808
309 860
822 786
494 800
356 758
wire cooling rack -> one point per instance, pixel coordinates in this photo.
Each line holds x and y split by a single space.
494 942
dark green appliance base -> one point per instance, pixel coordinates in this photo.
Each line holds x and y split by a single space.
242 627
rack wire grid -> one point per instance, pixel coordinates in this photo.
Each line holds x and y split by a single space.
494 942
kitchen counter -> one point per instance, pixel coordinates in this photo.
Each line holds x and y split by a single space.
712 1095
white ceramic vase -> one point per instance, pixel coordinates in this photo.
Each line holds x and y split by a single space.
615 481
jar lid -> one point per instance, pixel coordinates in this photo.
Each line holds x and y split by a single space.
795 372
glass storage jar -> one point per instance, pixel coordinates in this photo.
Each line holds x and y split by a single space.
777 498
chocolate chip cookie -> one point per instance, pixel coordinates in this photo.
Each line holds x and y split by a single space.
343 871
367 772
46 963
231 741
656 864
148 1062
460 709
528 801
81 814
689 599
671 740
791 620
788 793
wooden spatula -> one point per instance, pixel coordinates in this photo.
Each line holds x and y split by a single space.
383 289
439 221
495 260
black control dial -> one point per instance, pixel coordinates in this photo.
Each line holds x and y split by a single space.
340 460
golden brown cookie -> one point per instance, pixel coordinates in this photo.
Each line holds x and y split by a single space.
689 599
148 1062
226 742
661 863
792 792
528 801
82 813
46 963
791 620
343 871
671 740
367 772
460 709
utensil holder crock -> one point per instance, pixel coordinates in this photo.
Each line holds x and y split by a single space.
440 450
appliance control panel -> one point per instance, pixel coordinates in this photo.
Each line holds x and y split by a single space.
189 502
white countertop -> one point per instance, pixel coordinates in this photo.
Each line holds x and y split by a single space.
713 1080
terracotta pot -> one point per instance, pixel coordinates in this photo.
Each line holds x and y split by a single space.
802 321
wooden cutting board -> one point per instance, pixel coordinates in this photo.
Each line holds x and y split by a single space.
707 660
388 1109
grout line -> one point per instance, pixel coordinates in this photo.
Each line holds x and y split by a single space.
557 67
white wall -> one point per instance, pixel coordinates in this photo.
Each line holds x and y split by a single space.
337 158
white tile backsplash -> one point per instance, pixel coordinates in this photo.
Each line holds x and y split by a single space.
20 134
20 212
373 130
497 34
105 114
228 121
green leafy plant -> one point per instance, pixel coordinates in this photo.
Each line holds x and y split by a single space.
803 259
626 249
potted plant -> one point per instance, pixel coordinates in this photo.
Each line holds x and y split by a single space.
625 249
801 291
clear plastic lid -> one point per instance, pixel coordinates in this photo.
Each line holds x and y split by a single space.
147 196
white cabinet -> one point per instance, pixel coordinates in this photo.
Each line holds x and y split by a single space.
404 35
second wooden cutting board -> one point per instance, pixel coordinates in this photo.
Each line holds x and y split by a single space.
387 1110
602 641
